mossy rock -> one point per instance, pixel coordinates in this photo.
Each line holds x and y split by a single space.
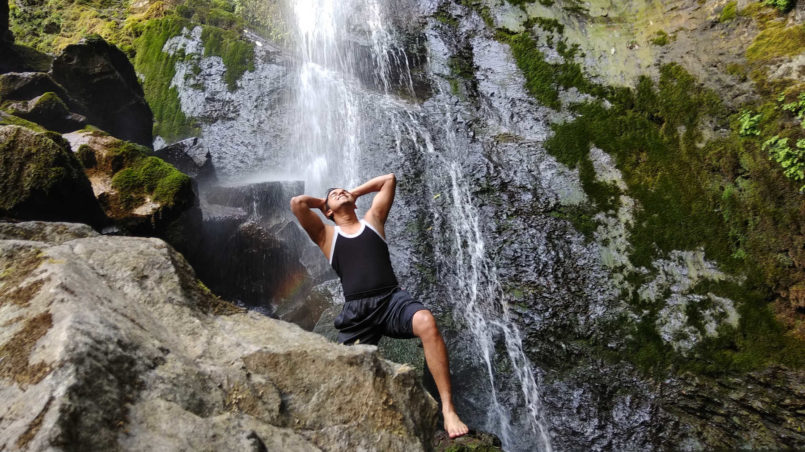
49 111
146 192
100 78
27 85
40 179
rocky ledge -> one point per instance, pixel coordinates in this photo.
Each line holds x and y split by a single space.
112 343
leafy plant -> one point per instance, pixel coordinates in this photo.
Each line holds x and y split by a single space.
797 107
748 123
782 5
792 160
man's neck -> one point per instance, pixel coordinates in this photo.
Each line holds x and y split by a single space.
347 221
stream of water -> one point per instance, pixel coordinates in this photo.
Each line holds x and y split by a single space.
337 57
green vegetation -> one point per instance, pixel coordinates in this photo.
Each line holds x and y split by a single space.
159 69
661 38
52 25
797 107
791 160
462 71
783 6
724 196
729 12
86 156
737 70
758 341
549 25
443 16
33 163
138 174
777 41
482 10
542 78
748 124
11 120
142 35
238 55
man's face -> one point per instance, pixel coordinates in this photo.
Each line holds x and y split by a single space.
338 198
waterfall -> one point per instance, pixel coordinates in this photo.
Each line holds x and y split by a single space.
334 109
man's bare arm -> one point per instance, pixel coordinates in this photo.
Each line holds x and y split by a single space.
301 207
381 205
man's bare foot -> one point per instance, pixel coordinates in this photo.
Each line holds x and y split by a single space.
453 425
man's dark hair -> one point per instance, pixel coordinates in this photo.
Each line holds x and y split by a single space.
326 202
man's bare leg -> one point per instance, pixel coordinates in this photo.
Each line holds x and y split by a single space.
424 326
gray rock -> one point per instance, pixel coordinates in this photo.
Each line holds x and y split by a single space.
102 81
49 111
45 231
111 343
41 179
27 85
189 157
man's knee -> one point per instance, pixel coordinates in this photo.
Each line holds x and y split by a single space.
424 324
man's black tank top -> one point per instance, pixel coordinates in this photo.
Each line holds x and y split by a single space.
362 262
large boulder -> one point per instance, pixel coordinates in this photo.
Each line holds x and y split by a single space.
49 111
27 85
111 343
103 82
140 192
40 179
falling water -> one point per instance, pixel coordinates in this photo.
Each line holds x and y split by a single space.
328 126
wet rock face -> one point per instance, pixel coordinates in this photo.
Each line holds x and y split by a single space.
249 249
41 179
114 334
189 157
103 83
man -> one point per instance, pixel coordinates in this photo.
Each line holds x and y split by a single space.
375 305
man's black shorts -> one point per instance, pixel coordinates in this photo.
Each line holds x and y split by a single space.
365 320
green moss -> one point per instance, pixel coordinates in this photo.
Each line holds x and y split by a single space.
758 341
543 79
539 74
482 9
11 120
158 69
737 70
86 155
783 6
125 154
34 164
148 176
729 12
777 41
238 55
445 17
549 25
661 38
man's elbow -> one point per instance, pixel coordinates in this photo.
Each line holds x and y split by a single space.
295 203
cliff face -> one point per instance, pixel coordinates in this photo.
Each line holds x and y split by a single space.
111 343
